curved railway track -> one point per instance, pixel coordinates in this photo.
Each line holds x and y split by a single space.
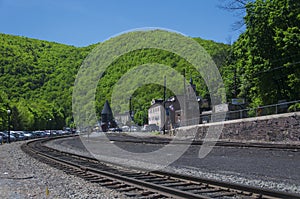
144 184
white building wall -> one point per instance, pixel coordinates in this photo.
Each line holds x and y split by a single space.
155 115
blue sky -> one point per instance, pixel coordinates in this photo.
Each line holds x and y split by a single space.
85 22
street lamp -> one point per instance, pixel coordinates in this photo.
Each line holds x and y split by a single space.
131 115
50 126
8 125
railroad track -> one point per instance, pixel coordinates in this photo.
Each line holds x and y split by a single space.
144 184
154 140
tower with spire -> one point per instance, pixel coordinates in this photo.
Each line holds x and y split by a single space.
107 119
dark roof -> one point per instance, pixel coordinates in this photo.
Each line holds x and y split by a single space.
106 109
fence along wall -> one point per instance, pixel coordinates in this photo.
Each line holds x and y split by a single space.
273 128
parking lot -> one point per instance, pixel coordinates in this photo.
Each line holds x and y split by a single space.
26 135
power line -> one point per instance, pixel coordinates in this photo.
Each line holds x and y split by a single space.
276 68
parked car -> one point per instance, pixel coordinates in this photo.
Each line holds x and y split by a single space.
60 132
18 135
21 135
133 129
152 127
54 132
1 139
28 135
5 137
125 128
47 133
39 134
145 128
117 129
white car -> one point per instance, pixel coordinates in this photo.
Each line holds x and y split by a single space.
28 135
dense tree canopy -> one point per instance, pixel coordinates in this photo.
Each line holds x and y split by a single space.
266 56
36 81
37 78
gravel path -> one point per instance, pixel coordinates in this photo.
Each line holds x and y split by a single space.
24 177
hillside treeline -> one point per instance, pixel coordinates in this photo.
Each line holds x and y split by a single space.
36 82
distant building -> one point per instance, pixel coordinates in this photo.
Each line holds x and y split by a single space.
182 110
171 114
123 118
156 113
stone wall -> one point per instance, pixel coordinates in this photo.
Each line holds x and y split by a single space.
274 128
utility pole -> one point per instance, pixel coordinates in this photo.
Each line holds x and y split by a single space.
130 108
235 84
8 125
164 103
183 117
130 113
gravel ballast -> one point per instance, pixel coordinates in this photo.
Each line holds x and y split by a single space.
21 176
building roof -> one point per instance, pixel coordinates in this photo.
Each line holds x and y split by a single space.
106 109
155 101
155 105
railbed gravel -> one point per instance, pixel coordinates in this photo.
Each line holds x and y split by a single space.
256 181
21 176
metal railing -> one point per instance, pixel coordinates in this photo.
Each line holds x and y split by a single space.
284 107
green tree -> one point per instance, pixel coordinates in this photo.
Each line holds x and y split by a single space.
267 53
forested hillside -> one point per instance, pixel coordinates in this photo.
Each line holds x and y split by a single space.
37 79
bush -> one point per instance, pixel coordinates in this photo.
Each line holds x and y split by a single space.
294 107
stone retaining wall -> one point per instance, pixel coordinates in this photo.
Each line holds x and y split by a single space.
274 128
